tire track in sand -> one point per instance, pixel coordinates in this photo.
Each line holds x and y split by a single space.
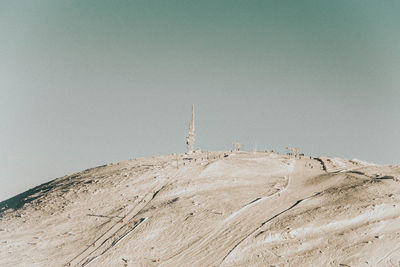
82 257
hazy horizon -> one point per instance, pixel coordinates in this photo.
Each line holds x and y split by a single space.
89 83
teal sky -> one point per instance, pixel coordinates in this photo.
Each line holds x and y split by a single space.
84 83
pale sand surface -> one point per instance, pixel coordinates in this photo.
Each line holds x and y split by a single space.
209 209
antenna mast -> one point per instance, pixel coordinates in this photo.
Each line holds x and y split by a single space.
190 138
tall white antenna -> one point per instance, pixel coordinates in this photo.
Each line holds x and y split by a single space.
190 138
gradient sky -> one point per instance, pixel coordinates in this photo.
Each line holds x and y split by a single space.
84 83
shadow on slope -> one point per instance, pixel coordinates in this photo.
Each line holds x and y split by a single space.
20 200
61 184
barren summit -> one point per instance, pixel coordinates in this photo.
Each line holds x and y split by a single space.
209 209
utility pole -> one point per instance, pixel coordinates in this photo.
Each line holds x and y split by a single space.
190 138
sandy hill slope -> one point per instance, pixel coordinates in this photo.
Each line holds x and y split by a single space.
209 209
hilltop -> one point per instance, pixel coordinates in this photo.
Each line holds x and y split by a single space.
209 209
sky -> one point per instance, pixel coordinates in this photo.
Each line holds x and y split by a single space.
85 83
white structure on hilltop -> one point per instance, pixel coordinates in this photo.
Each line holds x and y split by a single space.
190 138
295 150
236 146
